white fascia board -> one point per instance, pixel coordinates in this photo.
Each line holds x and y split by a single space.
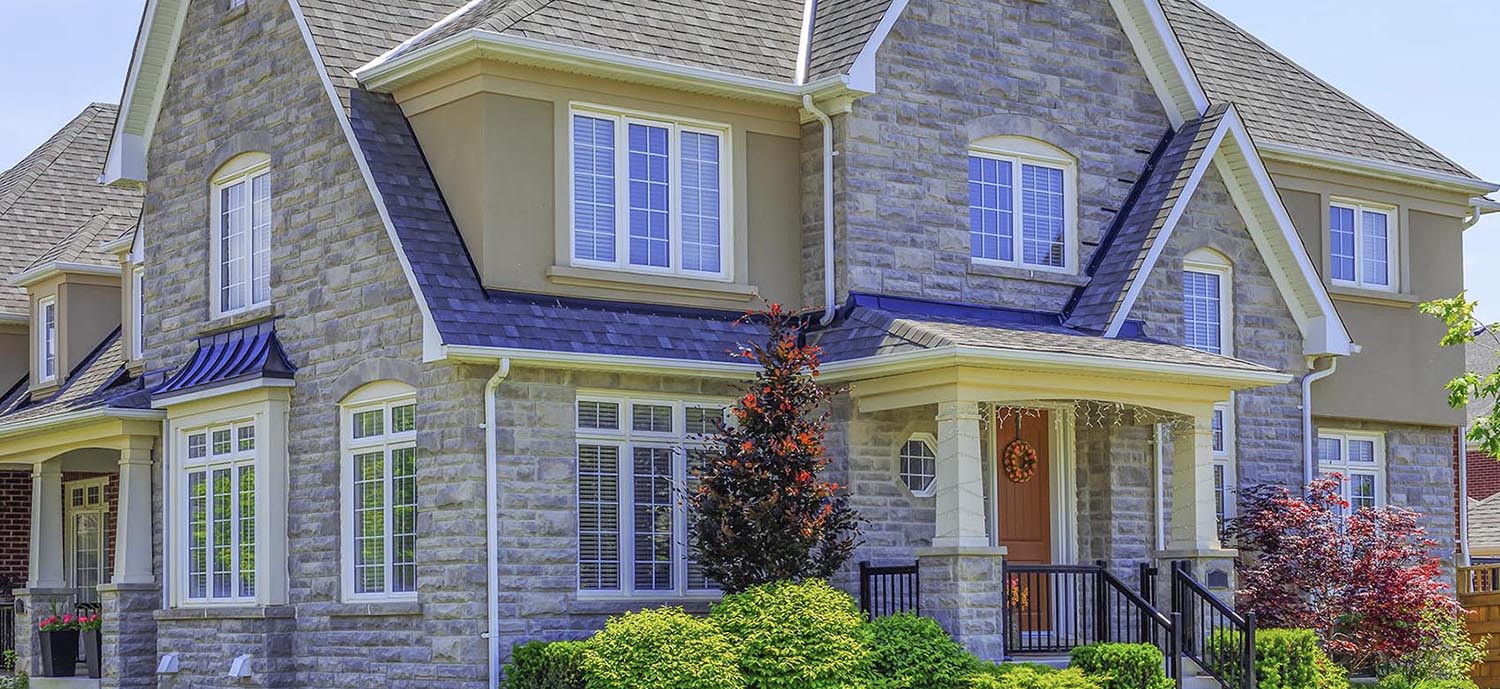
172 400
162 22
1343 162
1122 313
862 71
47 270
537 358
1146 27
77 417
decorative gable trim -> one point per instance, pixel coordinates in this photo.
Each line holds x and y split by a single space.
1162 57
145 84
862 72
1233 154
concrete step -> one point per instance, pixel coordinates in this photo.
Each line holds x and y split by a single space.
63 683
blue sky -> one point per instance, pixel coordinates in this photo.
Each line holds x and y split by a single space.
1426 66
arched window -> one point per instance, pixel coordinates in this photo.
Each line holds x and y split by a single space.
1207 302
1023 202
240 252
378 435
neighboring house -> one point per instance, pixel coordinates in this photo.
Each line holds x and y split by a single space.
1482 471
436 293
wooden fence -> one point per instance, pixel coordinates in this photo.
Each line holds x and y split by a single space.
1479 592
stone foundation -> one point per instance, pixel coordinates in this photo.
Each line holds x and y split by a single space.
128 647
963 590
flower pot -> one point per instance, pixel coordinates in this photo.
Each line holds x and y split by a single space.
59 653
91 652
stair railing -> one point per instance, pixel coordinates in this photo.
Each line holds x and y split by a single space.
1218 639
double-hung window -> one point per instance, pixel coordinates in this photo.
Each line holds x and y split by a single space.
1360 459
380 489
649 194
1207 315
635 462
46 339
1021 207
1225 480
241 251
1362 245
220 546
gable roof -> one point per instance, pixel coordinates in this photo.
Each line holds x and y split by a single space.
1285 104
100 381
52 196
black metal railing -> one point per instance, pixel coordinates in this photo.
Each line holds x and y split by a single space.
1055 608
1216 637
888 590
7 626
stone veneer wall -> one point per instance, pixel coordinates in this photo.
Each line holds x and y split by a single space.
15 526
955 70
245 81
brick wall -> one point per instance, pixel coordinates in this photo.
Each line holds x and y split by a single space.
15 525
1484 475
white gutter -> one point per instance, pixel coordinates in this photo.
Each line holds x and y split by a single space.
1368 166
492 519
1309 437
829 295
46 270
77 417
1463 496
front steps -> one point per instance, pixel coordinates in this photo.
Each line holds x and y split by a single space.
63 683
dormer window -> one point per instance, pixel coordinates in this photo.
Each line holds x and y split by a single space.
1022 195
46 340
1362 245
241 214
649 194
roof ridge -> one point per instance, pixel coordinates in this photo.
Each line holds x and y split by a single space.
51 149
1323 83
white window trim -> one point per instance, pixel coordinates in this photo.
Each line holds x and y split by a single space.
209 464
1344 467
379 395
44 348
242 169
1018 151
1208 261
676 125
625 438
1226 458
1392 244
931 442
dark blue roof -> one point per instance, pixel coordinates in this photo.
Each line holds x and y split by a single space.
245 353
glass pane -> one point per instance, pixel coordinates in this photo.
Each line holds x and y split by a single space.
404 520
197 446
1375 264
197 528
1201 322
652 493
404 418
1219 496
654 418
1361 491
233 226
598 518
704 420
223 533
991 223
593 189
223 443
1043 216
650 240
918 465
1330 451
87 549
697 579
246 438
369 423
369 522
260 239
598 415
1218 428
700 202
1361 451
1341 242
246 532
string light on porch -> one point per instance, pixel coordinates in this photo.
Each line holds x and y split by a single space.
1085 414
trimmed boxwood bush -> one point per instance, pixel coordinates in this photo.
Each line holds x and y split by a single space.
1123 666
804 635
660 649
913 652
1397 680
1028 676
542 665
1284 659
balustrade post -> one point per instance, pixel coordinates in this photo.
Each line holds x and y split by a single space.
1101 608
1249 660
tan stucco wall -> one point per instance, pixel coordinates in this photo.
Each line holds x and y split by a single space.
88 309
1400 372
497 139
14 350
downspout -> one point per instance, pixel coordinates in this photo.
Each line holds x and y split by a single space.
492 518
1160 453
1473 219
829 295
1464 560
1309 437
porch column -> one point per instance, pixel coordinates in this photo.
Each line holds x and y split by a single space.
46 548
961 574
1194 530
133 521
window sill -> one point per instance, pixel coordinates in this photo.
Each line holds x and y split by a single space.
238 319
650 284
1017 273
227 612
391 608
614 605
1364 295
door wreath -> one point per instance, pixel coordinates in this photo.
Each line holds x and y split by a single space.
1019 461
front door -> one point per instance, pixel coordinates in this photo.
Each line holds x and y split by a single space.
86 536
1023 499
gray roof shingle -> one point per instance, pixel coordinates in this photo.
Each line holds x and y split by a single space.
1123 253
1284 103
840 31
53 193
101 380
1483 357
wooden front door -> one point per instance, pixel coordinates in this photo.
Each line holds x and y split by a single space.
1024 509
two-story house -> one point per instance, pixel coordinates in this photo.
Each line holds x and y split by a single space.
439 295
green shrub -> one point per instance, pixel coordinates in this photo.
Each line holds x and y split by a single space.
1398 680
660 649
1446 650
1284 659
1123 666
912 652
542 665
1028 676
797 636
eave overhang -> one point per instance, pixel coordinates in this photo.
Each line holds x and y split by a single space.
34 275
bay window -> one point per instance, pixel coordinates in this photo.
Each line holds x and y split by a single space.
635 461
220 549
1362 245
649 194
1359 458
